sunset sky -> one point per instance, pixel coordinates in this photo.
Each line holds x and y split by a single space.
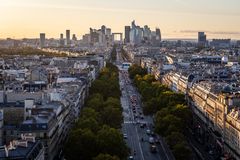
175 18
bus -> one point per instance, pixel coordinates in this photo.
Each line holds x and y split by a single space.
126 65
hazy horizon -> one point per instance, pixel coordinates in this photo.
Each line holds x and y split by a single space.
176 18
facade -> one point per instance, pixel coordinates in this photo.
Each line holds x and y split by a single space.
216 109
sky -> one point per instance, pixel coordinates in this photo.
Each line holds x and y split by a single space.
175 18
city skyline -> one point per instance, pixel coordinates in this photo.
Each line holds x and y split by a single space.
175 18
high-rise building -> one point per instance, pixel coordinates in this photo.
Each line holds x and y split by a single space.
61 41
146 33
42 40
202 39
238 43
108 32
103 29
68 41
127 34
158 34
136 34
74 37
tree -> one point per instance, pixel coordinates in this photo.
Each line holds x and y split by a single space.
182 111
96 102
114 102
89 112
88 123
164 125
175 138
111 141
106 157
112 116
135 69
181 151
150 106
149 78
81 144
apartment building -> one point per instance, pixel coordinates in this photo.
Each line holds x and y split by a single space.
216 106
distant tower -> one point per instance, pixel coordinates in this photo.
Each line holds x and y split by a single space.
42 40
74 37
202 39
61 41
108 31
158 34
68 41
127 34
103 29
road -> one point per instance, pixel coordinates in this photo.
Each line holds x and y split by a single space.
135 134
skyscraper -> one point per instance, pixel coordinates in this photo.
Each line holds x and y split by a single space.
108 32
127 34
103 29
68 41
61 41
158 34
202 39
146 33
42 40
136 34
74 37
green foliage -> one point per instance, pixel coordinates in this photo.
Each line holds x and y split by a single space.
110 141
175 138
106 157
96 133
136 70
112 116
167 124
27 51
82 144
182 151
107 84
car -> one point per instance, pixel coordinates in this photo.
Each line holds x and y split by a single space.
130 158
141 125
153 149
151 140
125 136
148 131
